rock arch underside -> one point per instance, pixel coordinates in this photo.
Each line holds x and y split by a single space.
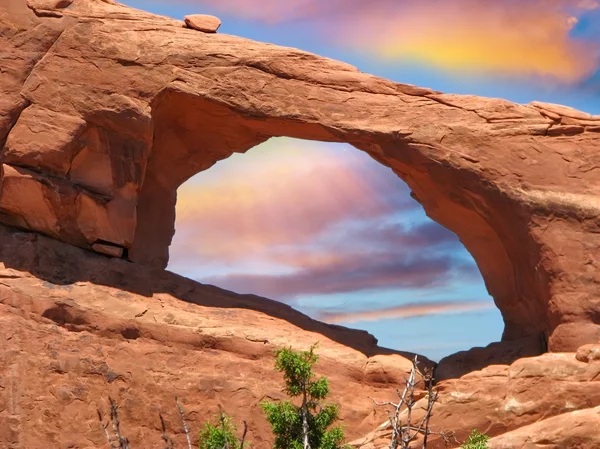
105 111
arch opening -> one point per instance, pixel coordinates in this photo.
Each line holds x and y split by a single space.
335 234
192 133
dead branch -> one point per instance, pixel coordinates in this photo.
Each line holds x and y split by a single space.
165 436
114 417
118 441
185 426
405 430
243 440
105 429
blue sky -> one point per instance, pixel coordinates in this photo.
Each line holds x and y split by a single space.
330 231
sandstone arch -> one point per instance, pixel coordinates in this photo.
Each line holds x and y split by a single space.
107 110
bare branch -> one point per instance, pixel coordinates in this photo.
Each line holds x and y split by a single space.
405 430
105 429
114 417
185 426
165 436
243 440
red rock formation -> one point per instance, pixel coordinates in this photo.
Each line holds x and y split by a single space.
516 402
76 327
130 105
578 429
105 111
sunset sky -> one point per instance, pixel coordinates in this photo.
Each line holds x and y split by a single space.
330 231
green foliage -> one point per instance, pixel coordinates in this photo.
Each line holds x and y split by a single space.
476 441
286 419
219 436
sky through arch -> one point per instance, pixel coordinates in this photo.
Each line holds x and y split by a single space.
328 230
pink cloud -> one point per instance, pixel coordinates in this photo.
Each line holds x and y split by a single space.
406 311
309 219
289 198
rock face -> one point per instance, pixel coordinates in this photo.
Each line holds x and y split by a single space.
578 429
91 164
76 328
89 159
547 399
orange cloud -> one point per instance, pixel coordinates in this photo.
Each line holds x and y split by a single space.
509 37
406 311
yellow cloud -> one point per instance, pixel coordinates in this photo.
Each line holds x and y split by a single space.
506 38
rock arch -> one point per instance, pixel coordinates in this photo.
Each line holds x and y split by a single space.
103 119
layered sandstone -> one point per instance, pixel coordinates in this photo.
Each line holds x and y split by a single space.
537 402
76 328
106 110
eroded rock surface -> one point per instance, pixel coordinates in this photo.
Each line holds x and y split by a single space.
92 160
548 399
575 430
76 328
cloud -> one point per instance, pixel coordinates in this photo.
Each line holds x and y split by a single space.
363 258
344 273
589 5
265 198
422 235
300 218
509 37
405 311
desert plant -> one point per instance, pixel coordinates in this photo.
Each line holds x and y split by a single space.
476 441
308 425
222 435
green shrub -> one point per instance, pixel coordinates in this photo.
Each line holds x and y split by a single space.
220 436
476 441
309 424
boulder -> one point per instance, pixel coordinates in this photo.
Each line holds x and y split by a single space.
203 22
589 353
575 430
